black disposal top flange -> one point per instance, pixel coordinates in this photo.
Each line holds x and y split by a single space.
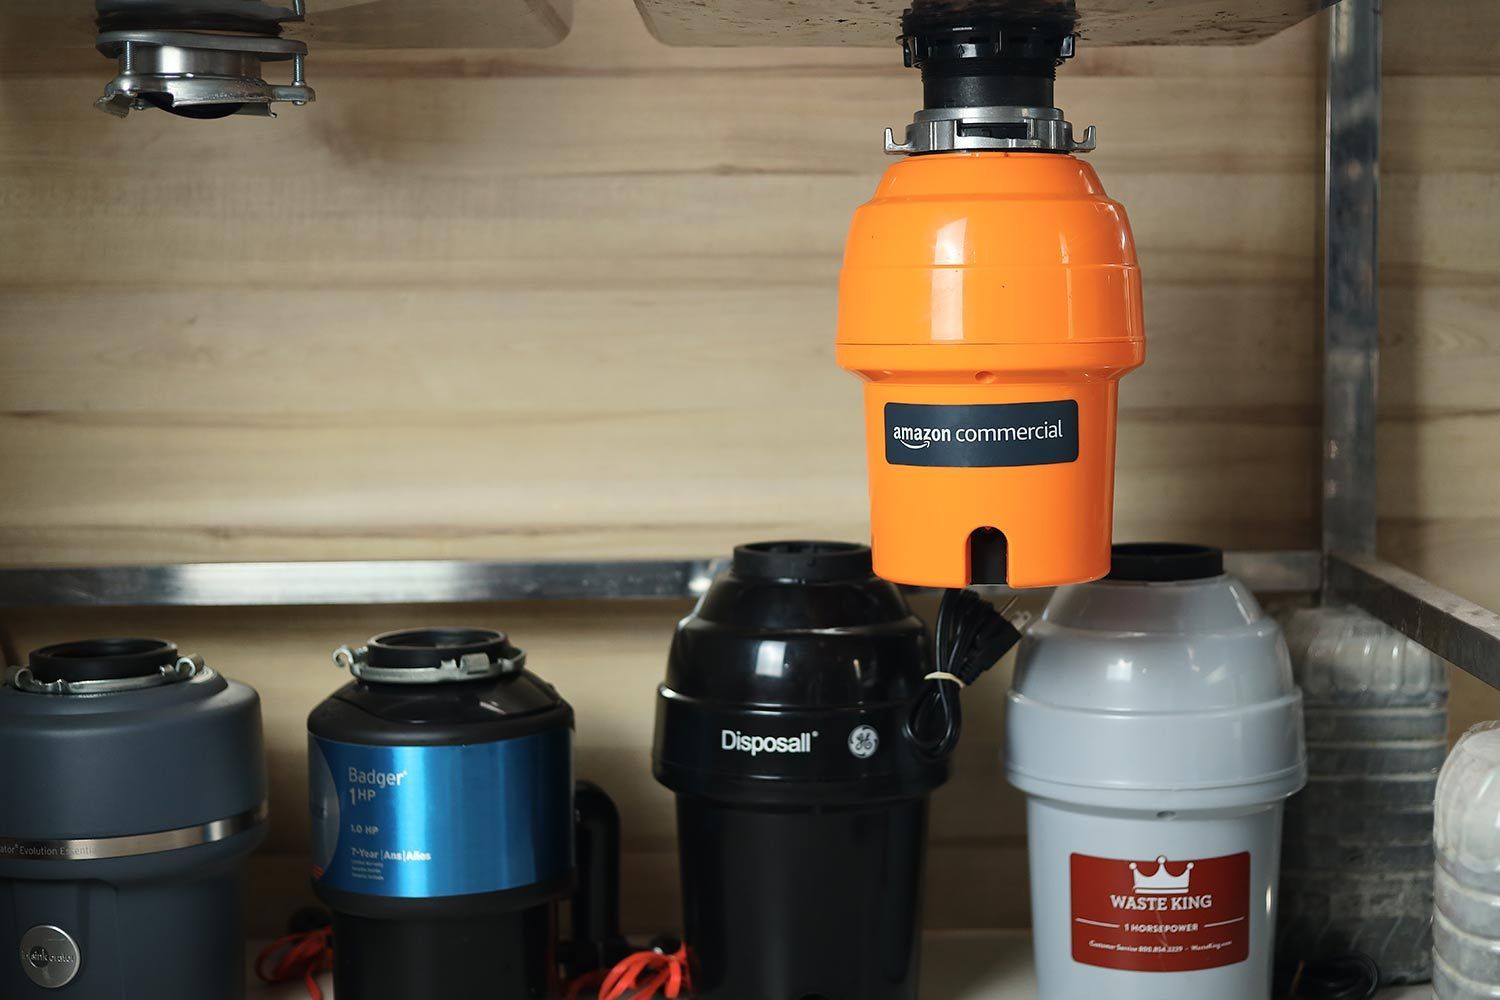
101 660
427 647
1164 562
504 705
791 681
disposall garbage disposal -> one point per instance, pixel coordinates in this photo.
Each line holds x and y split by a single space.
135 791
1156 731
990 299
784 726
443 818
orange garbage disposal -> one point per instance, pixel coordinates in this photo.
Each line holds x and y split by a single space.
990 300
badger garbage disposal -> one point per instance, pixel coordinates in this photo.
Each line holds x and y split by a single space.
442 804
135 792
801 803
1155 729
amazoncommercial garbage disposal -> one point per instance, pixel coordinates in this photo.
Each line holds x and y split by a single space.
134 792
1156 731
801 800
990 300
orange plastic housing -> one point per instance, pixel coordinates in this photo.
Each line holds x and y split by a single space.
991 279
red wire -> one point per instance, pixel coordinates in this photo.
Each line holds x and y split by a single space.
302 956
642 976
647 974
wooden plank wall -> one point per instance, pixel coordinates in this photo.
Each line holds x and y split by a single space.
579 302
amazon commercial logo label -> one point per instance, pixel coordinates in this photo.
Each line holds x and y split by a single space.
987 435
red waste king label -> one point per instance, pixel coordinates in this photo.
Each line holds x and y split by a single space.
1164 915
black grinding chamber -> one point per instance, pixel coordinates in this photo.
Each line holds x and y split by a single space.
801 805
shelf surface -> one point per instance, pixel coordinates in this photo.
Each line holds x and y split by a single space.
956 965
876 22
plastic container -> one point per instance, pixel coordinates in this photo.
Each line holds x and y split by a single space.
135 791
801 806
1466 922
1155 729
443 826
1357 848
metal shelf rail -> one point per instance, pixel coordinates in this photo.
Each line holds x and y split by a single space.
251 584
1457 630
1346 569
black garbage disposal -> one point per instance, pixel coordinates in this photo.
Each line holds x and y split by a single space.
133 795
443 825
801 803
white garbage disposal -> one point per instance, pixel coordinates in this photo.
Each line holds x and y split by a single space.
1155 728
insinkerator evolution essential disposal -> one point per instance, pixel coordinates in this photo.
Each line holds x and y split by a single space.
443 819
785 728
1156 731
990 299
134 793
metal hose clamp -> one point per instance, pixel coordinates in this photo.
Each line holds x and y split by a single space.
471 666
185 668
946 130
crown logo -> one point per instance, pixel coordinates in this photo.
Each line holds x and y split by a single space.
1162 883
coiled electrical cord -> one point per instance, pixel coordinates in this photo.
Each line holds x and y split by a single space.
663 970
303 954
969 638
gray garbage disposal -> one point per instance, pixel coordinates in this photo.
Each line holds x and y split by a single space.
134 792
1155 729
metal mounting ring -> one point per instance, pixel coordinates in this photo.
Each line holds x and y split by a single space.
200 73
473 666
185 668
1021 129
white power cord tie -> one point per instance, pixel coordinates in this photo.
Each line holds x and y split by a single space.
943 675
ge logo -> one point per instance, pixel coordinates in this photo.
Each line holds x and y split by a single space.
863 742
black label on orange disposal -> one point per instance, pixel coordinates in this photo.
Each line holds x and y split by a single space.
984 435
1162 915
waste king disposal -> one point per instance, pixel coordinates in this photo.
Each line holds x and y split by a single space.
134 793
443 818
784 727
990 299
1156 731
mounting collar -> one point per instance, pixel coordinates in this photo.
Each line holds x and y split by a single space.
199 74
987 85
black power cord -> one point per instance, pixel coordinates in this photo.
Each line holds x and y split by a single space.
969 638
1344 977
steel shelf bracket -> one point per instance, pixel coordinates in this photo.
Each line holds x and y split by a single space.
1458 630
